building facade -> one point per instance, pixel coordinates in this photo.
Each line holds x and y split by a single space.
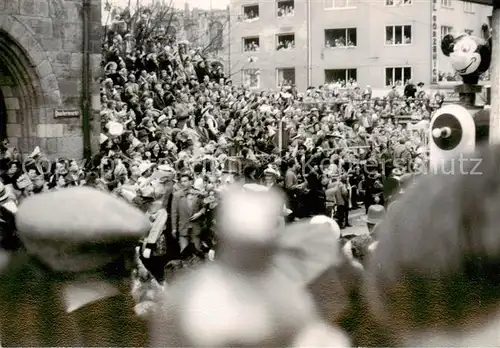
49 89
204 29
378 43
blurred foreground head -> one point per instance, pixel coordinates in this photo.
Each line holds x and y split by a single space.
70 285
434 279
241 300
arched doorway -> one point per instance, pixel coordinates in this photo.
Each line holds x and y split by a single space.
3 117
20 98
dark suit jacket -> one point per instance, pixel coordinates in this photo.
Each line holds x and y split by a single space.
182 212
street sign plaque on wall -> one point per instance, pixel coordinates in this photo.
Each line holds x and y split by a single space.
67 113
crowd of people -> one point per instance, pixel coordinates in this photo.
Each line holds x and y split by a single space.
175 131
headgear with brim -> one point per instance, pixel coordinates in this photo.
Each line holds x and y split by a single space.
376 214
115 129
271 171
79 229
323 219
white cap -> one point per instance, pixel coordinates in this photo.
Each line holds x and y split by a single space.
115 129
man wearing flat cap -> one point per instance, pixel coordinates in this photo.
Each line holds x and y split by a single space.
71 287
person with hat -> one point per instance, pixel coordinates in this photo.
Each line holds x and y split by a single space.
71 285
392 185
153 252
25 187
145 171
165 182
187 211
153 152
243 275
271 176
143 136
342 202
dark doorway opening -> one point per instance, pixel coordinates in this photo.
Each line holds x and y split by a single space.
3 117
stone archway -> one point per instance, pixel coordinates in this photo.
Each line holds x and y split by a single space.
3 114
30 87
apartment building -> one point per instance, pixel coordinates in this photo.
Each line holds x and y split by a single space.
378 43
268 42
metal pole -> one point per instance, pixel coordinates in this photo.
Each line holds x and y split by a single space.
86 81
280 135
309 48
495 76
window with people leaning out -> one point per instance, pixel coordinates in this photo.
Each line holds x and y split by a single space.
251 78
285 8
250 44
397 76
285 77
343 78
340 38
250 12
398 35
285 42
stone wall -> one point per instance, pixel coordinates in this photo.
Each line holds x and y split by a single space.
47 38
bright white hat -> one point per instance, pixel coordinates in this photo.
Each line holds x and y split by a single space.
115 129
322 219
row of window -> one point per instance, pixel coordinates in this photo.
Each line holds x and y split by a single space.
394 76
287 7
468 6
395 35
284 8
